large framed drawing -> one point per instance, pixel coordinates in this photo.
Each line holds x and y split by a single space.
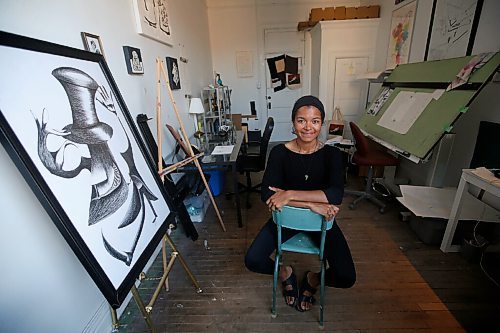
402 22
152 18
452 29
70 134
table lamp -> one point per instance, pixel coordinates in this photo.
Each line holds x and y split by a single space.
196 108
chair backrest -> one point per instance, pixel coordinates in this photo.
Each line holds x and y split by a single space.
178 139
264 143
360 140
300 219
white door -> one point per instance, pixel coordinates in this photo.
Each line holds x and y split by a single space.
279 104
350 92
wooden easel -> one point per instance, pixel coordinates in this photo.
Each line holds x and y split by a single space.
160 71
167 267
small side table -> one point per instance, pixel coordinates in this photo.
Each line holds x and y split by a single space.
468 178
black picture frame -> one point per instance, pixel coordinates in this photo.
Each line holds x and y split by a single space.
452 29
72 97
173 73
133 60
92 43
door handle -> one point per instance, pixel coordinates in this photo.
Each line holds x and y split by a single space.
269 105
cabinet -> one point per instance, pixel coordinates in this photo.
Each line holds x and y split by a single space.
217 104
341 50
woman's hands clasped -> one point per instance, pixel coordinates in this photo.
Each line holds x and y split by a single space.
281 198
329 211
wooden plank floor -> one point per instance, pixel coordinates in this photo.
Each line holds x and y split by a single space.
403 285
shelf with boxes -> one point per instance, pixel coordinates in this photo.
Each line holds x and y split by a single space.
339 13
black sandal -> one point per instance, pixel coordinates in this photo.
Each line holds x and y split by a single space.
305 286
291 281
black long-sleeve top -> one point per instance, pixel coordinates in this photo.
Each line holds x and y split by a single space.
287 170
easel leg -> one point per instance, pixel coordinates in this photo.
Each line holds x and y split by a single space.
164 259
140 304
149 307
184 264
114 320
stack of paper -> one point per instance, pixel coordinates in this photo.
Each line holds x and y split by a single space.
437 202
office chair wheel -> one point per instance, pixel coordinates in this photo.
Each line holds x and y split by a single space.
274 315
382 210
352 206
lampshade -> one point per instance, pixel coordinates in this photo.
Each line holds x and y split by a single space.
196 107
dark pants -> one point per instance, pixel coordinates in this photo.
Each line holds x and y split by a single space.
340 273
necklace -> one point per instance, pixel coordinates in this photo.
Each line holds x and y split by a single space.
303 157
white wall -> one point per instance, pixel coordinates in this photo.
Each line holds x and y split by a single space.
44 287
239 25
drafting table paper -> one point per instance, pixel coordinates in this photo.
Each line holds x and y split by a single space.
437 202
223 150
406 107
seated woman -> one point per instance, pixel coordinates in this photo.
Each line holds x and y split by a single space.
304 173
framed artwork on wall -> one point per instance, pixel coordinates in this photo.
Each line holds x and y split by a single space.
72 138
133 60
403 19
173 73
152 18
452 29
92 43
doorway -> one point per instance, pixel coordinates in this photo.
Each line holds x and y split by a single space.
280 41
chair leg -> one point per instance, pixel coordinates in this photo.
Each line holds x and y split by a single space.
322 295
248 189
367 194
275 284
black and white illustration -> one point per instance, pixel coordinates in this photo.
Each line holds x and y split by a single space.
68 126
153 19
173 73
133 60
452 28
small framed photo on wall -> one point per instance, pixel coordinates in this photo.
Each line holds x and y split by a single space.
173 73
133 60
92 43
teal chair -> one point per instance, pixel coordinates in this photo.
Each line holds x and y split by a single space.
304 220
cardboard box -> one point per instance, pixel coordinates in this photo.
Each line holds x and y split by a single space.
328 13
236 119
339 13
373 11
316 15
351 13
363 12
303 25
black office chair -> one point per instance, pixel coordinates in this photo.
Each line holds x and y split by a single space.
254 162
